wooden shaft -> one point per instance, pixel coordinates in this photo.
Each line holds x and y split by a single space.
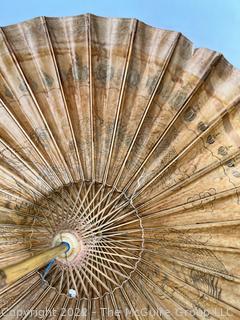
16 271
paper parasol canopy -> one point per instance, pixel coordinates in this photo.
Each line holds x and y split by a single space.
123 140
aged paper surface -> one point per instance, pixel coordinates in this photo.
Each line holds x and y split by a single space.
128 137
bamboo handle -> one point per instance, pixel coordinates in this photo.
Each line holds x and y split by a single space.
14 272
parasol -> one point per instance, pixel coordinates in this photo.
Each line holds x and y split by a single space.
119 173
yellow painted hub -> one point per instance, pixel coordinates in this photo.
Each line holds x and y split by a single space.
74 243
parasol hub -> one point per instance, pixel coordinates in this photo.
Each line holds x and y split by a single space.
73 243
